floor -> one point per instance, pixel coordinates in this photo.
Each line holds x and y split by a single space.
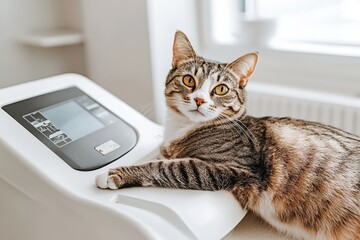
253 228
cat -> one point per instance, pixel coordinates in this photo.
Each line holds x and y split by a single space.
302 177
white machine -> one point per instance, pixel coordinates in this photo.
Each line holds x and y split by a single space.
56 135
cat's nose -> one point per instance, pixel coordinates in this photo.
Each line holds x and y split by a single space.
199 101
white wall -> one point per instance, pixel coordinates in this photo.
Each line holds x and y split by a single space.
20 63
117 49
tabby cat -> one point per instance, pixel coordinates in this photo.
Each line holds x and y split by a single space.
301 177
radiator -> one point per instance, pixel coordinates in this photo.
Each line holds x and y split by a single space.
336 110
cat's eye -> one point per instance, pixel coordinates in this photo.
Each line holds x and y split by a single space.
189 81
221 89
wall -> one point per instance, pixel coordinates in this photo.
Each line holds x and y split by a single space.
21 63
117 49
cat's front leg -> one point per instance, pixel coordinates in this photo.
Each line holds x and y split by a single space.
120 177
176 173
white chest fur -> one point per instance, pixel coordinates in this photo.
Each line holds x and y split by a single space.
176 127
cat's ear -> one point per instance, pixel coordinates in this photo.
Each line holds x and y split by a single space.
182 49
244 67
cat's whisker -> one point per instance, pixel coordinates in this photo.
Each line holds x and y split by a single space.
246 131
242 126
145 107
147 110
249 131
237 123
237 130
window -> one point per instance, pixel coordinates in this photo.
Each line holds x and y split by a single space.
335 22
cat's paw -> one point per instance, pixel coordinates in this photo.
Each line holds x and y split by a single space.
104 180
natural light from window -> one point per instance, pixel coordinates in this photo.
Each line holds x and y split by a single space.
330 22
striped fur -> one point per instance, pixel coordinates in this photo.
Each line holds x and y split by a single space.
301 177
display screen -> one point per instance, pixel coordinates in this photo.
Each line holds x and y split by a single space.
70 120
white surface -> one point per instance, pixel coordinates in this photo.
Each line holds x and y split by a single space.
35 185
52 38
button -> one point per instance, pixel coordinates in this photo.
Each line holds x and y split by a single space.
107 147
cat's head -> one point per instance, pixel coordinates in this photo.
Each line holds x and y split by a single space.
203 90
